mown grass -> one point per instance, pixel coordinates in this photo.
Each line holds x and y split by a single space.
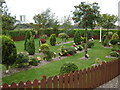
53 68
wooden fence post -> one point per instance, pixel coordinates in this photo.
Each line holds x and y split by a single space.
43 82
76 78
49 82
36 83
71 80
55 82
61 81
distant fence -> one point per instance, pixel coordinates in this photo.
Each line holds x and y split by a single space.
87 78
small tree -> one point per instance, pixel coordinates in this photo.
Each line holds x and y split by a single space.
9 51
77 39
53 40
63 36
30 46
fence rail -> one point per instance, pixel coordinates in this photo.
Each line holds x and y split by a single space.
87 78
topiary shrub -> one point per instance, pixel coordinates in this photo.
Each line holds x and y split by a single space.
77 39
53 39
47 54
114 54
30 46
22 60
68 67
9 51
44 47
63 36
115 36
27 37
33 61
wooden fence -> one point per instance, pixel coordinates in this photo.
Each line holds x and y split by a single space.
87 78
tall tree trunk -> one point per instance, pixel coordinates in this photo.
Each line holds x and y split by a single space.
107 41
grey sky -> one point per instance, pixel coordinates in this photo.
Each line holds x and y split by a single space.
59 7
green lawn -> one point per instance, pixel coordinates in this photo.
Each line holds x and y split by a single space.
53 68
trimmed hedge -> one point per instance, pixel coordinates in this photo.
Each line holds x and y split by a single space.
71 33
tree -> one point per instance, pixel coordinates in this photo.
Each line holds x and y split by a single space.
8 21
82 16
45 18
66 25
107 21
9 51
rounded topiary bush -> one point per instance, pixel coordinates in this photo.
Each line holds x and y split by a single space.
115 36
9 51
68 67
63 36
33 61
53 39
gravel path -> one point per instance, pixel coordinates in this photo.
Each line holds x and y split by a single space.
114 84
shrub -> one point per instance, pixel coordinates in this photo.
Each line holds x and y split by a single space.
114 54
68 67
30 46
43 41
33 61
53 40
98 61
77 39
9 51
70 51
63 36
113 42
80 47
90 44
115 36
22 60
115 48
83 45
27 37
44 47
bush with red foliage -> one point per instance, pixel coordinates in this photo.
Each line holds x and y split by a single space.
43 41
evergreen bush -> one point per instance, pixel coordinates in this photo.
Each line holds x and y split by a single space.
77 38
9 51
53 39
115 36
30 46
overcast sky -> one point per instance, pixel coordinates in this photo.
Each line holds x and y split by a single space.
59 7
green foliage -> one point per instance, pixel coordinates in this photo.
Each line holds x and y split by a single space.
22 60
115 36
9 51
33 61
30 46
77 38
113 42
80 48
114 54
90 44
53 39
28 35
68 67
63 36
8 22
44 47
64 51
115 47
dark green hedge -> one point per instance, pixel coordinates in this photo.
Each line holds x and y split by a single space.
51 31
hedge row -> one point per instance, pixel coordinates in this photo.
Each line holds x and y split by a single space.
15 33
